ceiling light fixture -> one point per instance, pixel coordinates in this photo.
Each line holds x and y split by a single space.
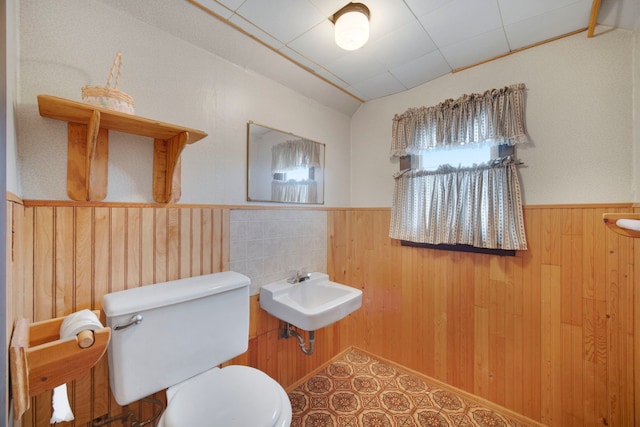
352 26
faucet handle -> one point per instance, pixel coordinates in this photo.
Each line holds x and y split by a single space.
293 276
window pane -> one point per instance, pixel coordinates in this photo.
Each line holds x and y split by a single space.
463 157
299 174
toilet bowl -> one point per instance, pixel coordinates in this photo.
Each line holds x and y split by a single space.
173 336
234 396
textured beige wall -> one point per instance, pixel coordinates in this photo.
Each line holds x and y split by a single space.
66 45
579 103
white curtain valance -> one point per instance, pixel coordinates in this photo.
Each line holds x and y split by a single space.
300 153
495 116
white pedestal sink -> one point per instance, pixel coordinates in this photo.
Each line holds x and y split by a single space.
311 304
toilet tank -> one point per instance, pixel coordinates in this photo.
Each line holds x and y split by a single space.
188 326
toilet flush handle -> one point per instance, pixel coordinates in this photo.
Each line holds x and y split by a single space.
133 321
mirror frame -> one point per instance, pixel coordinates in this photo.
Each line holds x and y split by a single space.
285 136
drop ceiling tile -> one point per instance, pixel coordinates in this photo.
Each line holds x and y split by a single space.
422 7
518 10
325 74
355 92
318 44
402 45
300 59
378 86
282 19
387 16
421 70
548 25
476 49
255 31
460 20
329 7
231 4
356 67
217 8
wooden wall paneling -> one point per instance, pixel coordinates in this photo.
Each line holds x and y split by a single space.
617 272
206 240
160 245
531 314
196 244
481 327
118 248
628 284
64 298
636 326
64 283
439 294
225 238
83 285
147 247
497 328
548 333
186 249
173 244
514 333
627 331
101 287
43 290
133 239
216 236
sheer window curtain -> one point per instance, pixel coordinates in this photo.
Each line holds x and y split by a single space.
479 206
289 156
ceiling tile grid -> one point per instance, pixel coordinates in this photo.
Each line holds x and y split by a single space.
411 41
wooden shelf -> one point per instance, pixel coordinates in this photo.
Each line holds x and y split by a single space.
611 218
88 145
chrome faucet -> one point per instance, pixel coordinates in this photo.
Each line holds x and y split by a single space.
298 276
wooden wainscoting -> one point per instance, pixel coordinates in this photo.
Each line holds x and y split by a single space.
66 256
548 333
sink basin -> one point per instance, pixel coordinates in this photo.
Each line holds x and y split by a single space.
312 304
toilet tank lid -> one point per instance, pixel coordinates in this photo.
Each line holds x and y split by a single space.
173 292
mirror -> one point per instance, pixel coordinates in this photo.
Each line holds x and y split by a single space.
283 167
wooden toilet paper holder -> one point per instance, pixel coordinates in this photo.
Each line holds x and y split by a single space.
41 361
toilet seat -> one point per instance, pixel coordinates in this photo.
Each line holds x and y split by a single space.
232 396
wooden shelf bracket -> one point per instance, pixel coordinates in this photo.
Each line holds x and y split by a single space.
88 147
166 168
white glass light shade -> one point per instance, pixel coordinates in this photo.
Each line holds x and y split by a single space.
352 30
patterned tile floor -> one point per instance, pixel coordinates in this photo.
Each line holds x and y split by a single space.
357 389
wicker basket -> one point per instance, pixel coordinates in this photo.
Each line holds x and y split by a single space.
107 96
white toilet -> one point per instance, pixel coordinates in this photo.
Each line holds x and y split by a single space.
173 335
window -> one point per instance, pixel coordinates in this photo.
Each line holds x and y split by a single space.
461 157
460 186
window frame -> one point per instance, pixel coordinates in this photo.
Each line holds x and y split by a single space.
503 151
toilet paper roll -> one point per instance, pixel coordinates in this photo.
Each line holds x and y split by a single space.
75 324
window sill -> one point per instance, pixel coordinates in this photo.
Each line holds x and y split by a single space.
460 248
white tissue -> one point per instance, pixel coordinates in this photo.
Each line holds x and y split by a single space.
61 408
71 326
629 224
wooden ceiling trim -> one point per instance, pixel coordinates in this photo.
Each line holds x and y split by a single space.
593 19
511 52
